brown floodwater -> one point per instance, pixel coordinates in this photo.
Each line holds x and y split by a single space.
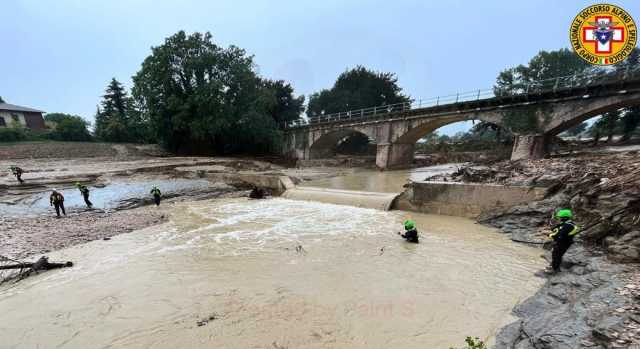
275 274
379 181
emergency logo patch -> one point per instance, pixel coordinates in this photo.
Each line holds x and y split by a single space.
603 34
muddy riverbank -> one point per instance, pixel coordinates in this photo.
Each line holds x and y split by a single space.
28 236
119 187
119 178
593 302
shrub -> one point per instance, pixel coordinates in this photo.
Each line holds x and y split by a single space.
474 343
73 128
13 134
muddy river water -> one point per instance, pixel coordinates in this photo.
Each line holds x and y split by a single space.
380 181
278 273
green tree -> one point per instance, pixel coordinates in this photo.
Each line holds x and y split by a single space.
544 65
282 105
355 89
113 121
198 97
606 125
630 121
2 100
68 127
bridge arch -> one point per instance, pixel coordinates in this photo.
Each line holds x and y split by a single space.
399 151
324 145
422 127
577 112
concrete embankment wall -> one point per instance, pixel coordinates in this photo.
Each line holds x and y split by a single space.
278 184
463 199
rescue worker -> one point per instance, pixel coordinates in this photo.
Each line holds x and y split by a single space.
85 194
256 193
410 232
156 195
562 234
17 171
57 200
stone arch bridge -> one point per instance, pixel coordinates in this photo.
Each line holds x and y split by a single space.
553 108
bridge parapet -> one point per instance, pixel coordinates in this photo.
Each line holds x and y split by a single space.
396 129
559 86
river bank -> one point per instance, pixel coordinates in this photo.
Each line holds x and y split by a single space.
593 302
119 178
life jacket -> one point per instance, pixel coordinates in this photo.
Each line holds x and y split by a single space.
56 198
565 231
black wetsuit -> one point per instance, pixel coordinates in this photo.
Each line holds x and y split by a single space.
156 196
257 193
57 200
85 194
411 235
17 171
562 234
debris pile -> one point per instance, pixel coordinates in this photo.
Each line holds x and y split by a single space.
595 297
547 172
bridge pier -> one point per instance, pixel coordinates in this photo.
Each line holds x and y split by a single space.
533 147
394 156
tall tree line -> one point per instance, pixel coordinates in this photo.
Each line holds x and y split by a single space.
564 62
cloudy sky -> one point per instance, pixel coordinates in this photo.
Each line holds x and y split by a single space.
59 55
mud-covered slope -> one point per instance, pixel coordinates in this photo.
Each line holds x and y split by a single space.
593 302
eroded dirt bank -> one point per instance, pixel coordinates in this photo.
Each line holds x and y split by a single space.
594 301
119 178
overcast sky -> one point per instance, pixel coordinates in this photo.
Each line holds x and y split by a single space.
59 55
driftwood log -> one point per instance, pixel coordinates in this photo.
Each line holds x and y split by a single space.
41 264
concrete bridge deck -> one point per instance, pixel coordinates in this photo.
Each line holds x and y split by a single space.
534 116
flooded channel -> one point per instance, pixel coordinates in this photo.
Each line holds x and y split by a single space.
239 273
380 181
103 197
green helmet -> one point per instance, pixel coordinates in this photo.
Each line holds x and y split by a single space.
409 224
564 213
78 184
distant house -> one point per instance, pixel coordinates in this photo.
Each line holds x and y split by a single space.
15 115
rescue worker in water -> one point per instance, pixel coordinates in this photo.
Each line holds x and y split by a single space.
156 195
85 194
56 199
562 235
257 193
410 231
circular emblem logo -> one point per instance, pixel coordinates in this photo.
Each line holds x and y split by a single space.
603 34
